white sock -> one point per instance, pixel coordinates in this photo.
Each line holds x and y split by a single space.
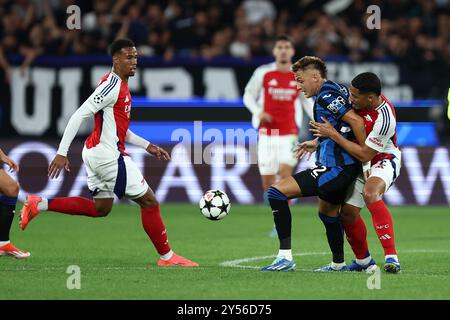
391 256
43 205
364 261
166 256
2 243
285 253
337 266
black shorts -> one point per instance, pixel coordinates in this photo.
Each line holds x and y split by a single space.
329 184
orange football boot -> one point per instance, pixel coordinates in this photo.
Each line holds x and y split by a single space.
177 260
10 250
29 210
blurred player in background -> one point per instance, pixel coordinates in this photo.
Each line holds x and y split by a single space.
385 160
276 105
110 170
9 190
335 169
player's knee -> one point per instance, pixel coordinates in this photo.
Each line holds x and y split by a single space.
150 202
348 217
370 196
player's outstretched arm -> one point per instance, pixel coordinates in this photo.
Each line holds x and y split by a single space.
60 161
361 152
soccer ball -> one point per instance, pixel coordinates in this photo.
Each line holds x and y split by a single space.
215 204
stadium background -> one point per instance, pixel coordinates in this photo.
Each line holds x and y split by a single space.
195 60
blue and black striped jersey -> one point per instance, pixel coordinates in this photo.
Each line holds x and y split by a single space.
332 103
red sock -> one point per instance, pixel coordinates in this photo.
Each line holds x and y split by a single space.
155 229
356 234
382 221
73 205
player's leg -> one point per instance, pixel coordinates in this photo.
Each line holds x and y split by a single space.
328 214
356 234
332 184
382 176
138 190
9 191
278 196
285 171
101 180
284 146
354 226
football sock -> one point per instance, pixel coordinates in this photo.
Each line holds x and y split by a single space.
281 216
155 229
337 266
287 254
73 205
356 234
335 236
166 256
364 261
382 222
7 210
2 243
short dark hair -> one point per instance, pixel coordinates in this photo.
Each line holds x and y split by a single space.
367 82
311 62
118 44
284 37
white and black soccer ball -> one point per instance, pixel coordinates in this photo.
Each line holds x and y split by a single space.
215 204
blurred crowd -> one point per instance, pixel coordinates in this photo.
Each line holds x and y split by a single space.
415 33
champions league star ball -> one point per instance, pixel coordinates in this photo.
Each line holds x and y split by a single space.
215 204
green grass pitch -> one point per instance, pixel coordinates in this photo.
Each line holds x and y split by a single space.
117 261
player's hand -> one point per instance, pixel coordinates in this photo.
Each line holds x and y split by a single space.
306 147
12 165
158 152
59 162
325 129
366 170
265 117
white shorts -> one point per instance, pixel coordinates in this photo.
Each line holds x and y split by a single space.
388 170
120 177
275 150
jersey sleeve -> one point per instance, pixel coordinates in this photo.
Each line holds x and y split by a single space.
335 103
104 95
383 130
72 128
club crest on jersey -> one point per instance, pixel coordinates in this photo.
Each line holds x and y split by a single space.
368 118
99 98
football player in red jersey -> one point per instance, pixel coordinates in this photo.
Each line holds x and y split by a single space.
383 169
9 190
276 104
109 168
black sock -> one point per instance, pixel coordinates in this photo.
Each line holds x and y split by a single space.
335 236
7 208
281 216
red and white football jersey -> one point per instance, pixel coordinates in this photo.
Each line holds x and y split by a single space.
111 104
381 130
278 95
